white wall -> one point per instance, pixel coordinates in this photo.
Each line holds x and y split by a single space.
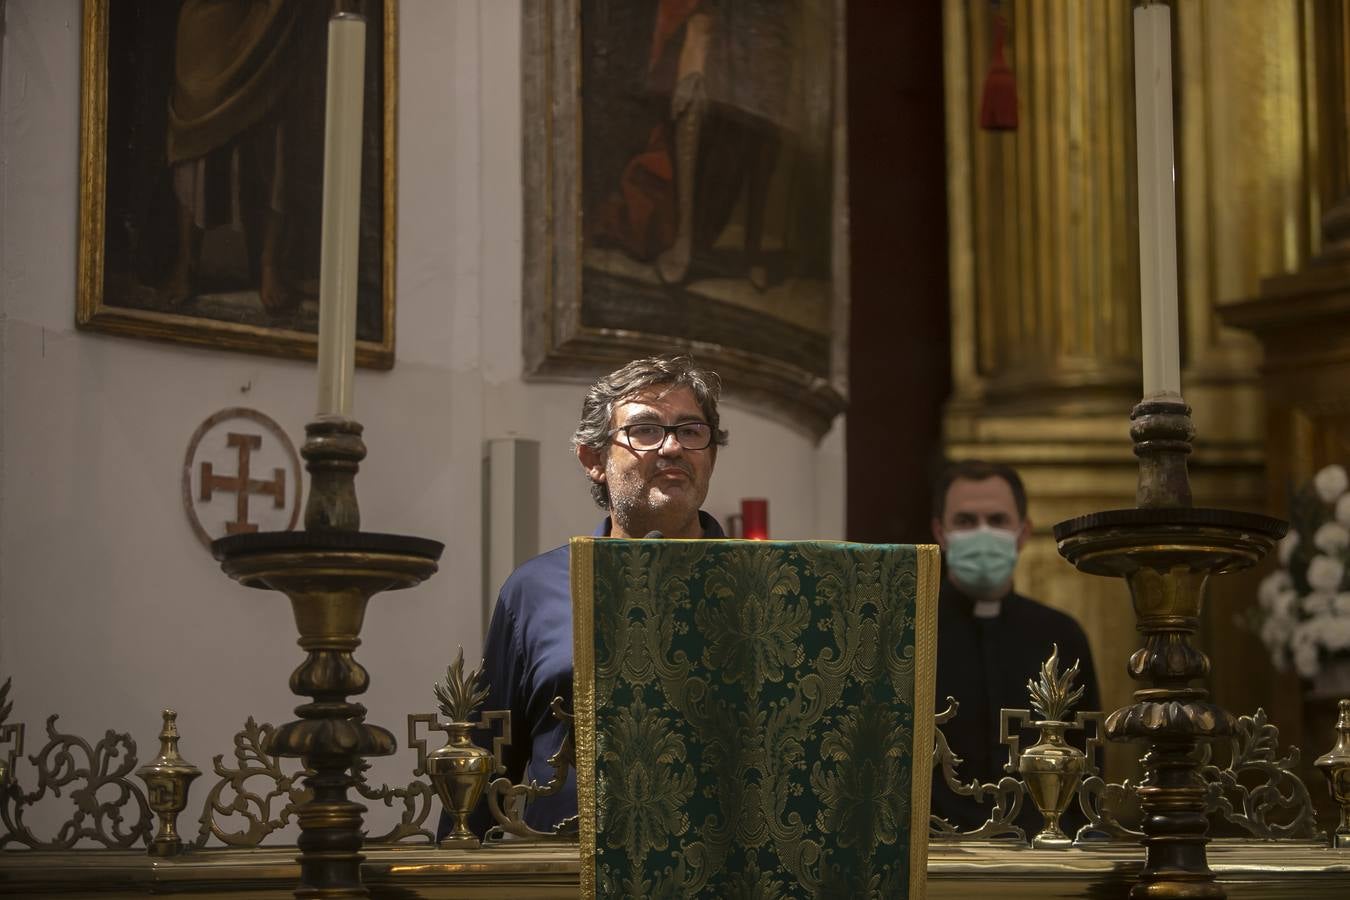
109 608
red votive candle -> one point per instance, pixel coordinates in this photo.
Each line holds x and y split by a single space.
755 519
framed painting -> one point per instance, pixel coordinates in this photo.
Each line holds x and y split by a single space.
202 129
685 191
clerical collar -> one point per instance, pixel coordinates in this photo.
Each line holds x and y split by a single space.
987 609
980 609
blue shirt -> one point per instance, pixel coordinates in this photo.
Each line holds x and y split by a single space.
527 660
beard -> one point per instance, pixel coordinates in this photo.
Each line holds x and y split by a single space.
642 502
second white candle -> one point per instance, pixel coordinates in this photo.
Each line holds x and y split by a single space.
1157 200
341 213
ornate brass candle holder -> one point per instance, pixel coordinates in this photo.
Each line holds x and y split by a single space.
1335 764
167 778
329 572
1166 550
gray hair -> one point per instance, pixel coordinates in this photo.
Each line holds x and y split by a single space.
667 372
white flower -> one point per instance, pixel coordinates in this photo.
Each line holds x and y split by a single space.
1275 632
1305 660
1272 586
1341 604
1330 483
1324 573
1318 603
1288 544
1284 604
1332 537
1343 510
1335 632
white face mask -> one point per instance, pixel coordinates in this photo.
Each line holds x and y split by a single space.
981 559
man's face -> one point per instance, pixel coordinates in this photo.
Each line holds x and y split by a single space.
970 504
653 490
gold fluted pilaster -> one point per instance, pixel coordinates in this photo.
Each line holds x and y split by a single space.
1248 191
1044 281
1300 315
1048 290
1044 267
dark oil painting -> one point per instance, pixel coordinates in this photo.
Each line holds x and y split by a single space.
708 210
212 172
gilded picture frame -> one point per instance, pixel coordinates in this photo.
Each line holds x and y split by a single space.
755 285
201 176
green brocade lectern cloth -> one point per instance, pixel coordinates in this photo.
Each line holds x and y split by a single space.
753 719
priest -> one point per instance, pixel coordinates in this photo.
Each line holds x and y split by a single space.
991 639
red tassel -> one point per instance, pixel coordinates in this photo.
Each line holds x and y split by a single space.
998 108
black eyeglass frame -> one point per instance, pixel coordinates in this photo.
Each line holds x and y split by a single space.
668 431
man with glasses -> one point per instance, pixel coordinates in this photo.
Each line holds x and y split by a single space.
647 440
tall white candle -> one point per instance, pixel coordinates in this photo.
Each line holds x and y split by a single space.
1157 200
341 213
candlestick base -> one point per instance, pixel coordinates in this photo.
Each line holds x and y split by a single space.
1166 556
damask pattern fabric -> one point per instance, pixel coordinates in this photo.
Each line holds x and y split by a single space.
746 717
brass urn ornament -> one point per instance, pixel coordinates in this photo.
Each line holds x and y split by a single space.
460 770
1335 764
167 778
1052 768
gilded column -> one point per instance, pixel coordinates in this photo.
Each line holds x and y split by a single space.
1302 318
1247 199
1044 268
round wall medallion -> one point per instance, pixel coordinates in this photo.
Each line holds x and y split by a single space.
241 474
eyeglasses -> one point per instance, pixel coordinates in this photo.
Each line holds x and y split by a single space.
652 435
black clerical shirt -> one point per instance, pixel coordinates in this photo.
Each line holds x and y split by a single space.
985 663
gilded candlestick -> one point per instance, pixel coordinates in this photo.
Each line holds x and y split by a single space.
329 571
1166 551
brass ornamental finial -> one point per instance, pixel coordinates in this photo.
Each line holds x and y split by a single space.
167 778
1054 695
460 696
1335 764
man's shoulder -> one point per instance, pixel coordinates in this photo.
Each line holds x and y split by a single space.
545 571
1052 620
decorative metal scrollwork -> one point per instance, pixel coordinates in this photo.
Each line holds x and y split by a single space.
507 800
1110 808
11 733
230 798
256 797
416 798
1007 795
1255 753
274 809
99 781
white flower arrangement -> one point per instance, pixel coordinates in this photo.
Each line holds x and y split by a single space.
1304 606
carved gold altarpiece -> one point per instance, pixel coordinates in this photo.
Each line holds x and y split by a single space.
1044 273
1301 316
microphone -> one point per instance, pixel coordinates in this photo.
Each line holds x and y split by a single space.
652 534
